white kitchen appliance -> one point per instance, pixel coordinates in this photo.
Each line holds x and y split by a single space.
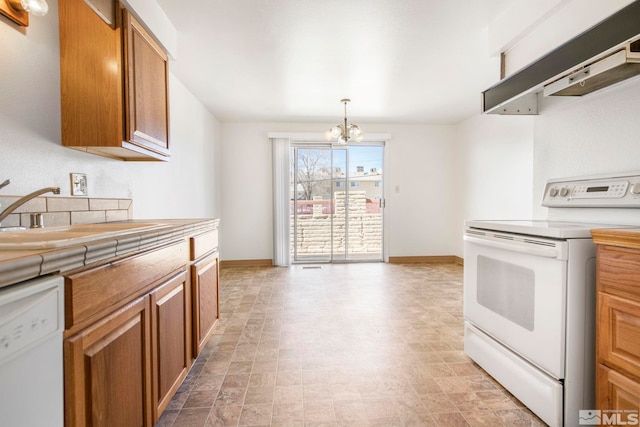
31 363
529 293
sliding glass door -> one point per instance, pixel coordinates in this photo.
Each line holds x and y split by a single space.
337 203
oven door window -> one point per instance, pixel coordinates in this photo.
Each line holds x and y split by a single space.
518 297
508 290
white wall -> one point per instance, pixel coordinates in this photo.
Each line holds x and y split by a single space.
527 30
589 135
420 214
504 162
494 170
420 165
247 209
31 154
595 134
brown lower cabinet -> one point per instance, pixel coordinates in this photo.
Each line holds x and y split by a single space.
618 392
204 282
618 324
130 337
204 276
171 339
108 370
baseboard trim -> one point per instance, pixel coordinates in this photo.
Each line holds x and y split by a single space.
246 263
445 259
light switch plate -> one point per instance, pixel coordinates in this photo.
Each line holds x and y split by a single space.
79 184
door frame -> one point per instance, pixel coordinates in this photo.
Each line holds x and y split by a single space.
281 178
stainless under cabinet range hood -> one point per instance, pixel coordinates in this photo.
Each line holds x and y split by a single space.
607 53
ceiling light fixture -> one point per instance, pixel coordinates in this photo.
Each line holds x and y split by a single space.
344 132
19 10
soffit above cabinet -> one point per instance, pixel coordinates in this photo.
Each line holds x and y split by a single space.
155 20
518 93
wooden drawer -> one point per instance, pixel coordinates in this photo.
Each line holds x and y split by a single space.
618 392
203 244
619 271
619 333
93 293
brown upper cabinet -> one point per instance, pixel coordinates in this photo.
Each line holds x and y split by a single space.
113 82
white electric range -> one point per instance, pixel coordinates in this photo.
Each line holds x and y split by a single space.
529 293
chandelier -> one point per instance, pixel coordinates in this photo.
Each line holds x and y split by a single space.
344 132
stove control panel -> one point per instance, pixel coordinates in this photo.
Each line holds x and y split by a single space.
618 191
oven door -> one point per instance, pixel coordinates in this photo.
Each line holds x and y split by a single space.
515 291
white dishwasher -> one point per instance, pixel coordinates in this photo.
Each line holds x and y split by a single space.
31 363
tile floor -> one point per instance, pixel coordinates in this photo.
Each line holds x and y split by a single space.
341 345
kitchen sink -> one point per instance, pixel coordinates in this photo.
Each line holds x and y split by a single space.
68 235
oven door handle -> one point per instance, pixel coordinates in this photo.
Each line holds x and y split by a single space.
521 247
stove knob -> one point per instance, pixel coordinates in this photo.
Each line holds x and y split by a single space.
635 188
553 192
564 191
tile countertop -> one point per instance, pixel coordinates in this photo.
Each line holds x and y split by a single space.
19 265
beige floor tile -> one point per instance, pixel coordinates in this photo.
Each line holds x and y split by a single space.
380 408
319 412
201 399
259 395
255 415
222 415
482 419
518 417
450 419
343 345
350 410
192 417
288 413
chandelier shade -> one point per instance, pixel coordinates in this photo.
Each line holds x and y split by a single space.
36 7
344 132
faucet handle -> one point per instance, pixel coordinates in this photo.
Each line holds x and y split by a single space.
5 183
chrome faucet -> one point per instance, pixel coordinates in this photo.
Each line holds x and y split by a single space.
5 183
22 200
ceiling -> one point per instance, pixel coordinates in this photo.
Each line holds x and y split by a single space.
400 61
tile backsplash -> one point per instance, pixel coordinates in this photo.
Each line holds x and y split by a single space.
67 210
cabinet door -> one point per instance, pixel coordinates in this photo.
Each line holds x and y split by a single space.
146 89
619 332
113 83
90 78
171 338
205 300
617 392
107 371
